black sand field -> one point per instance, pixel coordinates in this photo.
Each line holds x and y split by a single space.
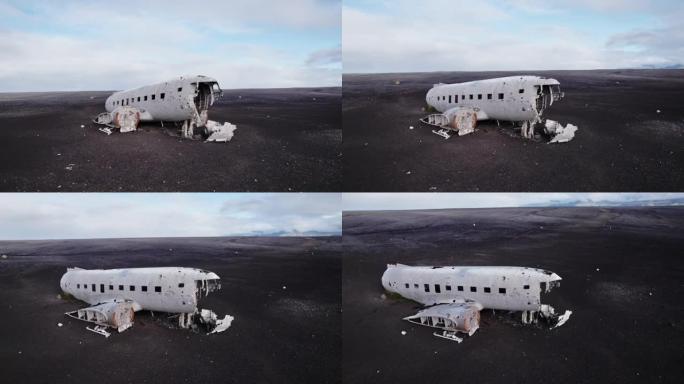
623 143
622 276
279 335
286 140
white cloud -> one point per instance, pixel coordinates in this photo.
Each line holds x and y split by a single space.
99 215
94 46
399 201
489 35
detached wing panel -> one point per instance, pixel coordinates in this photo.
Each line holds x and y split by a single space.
455 317
117 315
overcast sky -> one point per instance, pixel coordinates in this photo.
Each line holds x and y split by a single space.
398 201
112 215
467 35
111 45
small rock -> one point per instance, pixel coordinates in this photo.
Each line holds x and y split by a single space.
410 126
284 287
598 269
657 110
403 333
59 324
4 256
408 172
82 126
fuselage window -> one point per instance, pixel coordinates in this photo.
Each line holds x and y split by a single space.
502 290
144 288
427 287
487 290
521 90
181 285
78 286
153 97
460 288
473 289
437 288
93 287
415 286
157 289
407 285
456 99
526 287
138 98
470 97
131 288
111 287
161 95
145 98
449 99
102 288
489 96
180 89
462 97
500 96
448 287
120 287
479 97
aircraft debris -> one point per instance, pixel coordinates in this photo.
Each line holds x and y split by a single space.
403 333
454 296
519 99
449 335
4 256
82 126
100 329
116 294
69 167
185 100
108 131
59 324
220 133
559 133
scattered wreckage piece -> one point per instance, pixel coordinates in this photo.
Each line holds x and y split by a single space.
520 99
116 294
559 133
100 330
454 296
184 100
220 133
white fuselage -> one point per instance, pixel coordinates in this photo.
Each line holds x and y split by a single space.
164 289
514 98
174 100
505 288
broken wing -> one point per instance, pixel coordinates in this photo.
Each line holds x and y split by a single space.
454 317
114 314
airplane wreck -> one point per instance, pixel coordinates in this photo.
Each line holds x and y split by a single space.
521 100
454 296
116 294
183 101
